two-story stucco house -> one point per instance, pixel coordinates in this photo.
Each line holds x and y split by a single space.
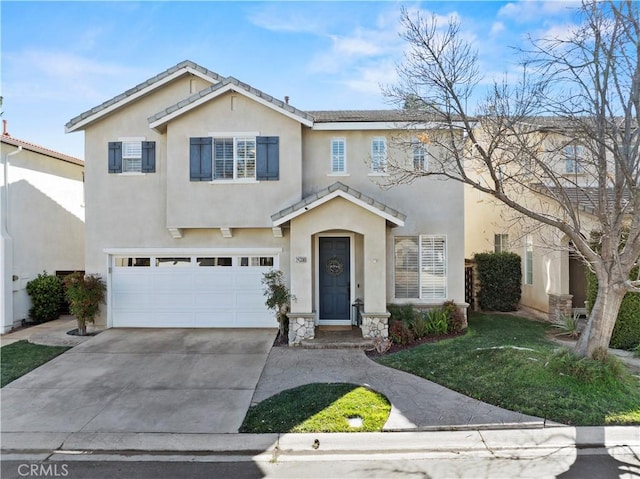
196 184
42 221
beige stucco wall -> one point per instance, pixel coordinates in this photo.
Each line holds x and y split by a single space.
431 206
223 203
46 220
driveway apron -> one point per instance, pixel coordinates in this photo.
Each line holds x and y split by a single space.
142 380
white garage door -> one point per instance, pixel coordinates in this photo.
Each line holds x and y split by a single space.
198 291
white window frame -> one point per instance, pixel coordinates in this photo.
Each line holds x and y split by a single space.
336 158
573 159
428 289
501 242
236 158
528 260
419 155
132 164
379 160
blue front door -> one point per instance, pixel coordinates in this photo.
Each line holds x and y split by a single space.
334 278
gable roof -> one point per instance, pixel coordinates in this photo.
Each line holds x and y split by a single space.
338 189
140 90
9 140
225 85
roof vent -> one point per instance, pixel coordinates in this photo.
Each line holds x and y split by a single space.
286 99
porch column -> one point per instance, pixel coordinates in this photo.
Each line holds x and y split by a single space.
375 317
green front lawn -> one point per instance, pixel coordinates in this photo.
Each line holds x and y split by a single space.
19 358
509 362
319 407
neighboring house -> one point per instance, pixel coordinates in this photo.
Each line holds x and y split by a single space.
197 184
553 277
42 220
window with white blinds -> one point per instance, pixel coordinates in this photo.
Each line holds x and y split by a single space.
421 267
338 155
132 156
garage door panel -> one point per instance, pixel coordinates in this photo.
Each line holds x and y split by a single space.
191 296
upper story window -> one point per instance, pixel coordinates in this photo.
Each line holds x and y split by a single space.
419 155
379 155
132 155
234 158
573 159
338 155
501 243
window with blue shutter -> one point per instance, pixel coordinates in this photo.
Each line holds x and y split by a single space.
132 155
200 159
115 157
148 157
267 158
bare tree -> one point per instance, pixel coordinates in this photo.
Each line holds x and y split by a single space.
575 105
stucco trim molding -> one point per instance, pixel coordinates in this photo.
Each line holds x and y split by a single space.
176 233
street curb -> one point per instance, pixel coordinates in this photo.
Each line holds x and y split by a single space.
325 443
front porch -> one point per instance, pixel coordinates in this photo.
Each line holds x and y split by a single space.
338 251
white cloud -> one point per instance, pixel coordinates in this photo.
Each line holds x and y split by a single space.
59 76
496 28
534 10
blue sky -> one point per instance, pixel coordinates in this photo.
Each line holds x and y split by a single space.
60 59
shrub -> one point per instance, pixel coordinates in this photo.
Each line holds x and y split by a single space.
401 312
500 277
457 321
585 369
47 295
437 321
84 294
278 297
418 327
399 333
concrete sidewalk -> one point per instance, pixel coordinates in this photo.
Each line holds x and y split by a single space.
51 333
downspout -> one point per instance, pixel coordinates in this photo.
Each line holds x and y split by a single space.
6 253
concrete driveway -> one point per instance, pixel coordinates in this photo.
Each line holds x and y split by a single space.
142 380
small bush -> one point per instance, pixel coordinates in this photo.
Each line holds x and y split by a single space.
401 312
399 333
455 317
418 327
84 294
437 321
47 295
278 298
500 279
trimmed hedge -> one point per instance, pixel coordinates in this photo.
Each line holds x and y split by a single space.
47 295
626 332
500 277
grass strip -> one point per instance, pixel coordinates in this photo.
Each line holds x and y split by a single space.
319 407
19 358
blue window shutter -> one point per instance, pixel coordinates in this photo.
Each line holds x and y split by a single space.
148 157
115 157
268 158
200 158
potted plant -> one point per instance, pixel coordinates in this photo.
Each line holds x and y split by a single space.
84 294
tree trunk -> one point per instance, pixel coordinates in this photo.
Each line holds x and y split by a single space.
82 328
597 333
